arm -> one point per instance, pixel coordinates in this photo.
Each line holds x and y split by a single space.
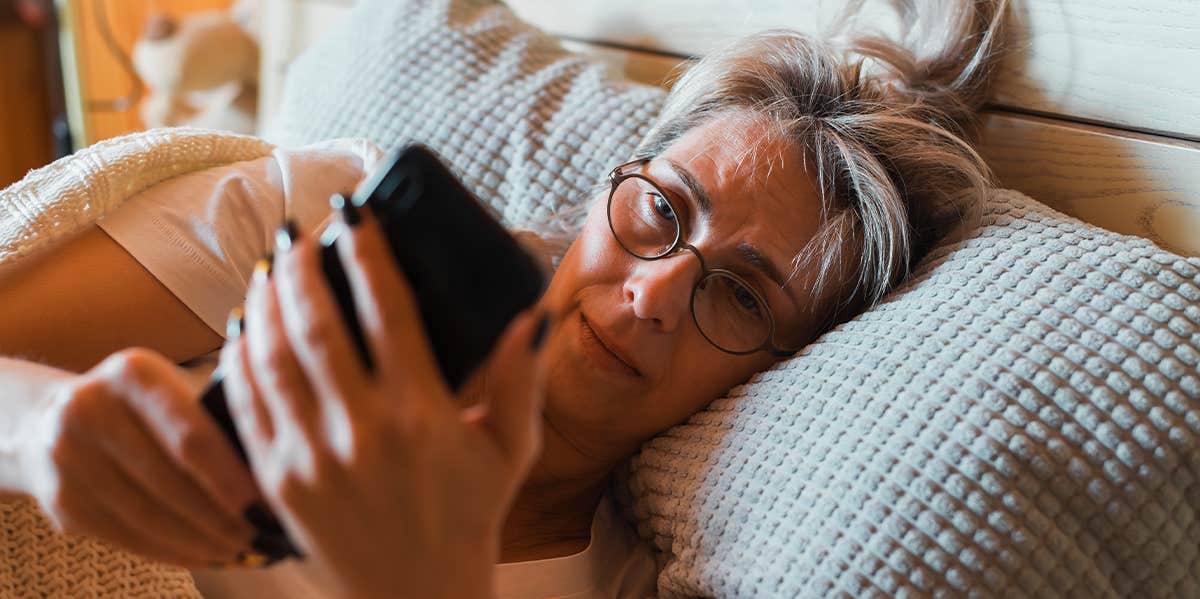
86 298
198 233
123 451
68 308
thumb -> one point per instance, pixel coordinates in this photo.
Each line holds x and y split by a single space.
515 393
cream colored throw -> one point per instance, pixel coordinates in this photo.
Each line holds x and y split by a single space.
63 197
57 200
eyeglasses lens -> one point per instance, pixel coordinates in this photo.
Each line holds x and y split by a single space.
728 312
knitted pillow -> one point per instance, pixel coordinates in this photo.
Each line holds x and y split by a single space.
529 126
1020 419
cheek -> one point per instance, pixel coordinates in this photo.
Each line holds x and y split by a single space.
593 259
595 250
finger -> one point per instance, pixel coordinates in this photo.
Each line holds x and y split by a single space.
246 407
315 328
122 513
514 401
159 393
103 523
282 385
387 308
146 465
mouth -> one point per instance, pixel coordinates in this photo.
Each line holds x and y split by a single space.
601 353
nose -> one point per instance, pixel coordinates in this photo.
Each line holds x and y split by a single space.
661 290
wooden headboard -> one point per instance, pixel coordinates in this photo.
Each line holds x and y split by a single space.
1097 112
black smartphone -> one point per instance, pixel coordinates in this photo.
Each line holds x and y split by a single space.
470 277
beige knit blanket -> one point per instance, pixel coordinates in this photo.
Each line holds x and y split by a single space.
51 202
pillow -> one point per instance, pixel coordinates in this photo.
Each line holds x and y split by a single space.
1019 419
528 126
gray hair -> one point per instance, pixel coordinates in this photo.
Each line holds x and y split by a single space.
886 125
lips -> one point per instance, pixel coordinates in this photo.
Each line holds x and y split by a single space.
604 352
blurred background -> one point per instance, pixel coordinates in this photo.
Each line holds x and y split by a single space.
81 71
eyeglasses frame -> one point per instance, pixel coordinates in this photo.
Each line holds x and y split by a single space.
618 176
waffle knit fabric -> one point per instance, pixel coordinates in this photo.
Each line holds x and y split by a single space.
55 201
62 198
528 126
1020 419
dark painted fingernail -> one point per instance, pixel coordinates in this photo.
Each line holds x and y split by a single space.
262 268
539 335
260 517
266 544
216 566
349 211
286 235
233 326
275 546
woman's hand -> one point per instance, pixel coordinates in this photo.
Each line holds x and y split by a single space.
378 476
125 453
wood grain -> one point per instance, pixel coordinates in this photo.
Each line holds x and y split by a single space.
100 75
25 141
643 67
1130 64
1131 183
1127 182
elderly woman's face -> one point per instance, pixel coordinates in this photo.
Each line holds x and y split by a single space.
641 311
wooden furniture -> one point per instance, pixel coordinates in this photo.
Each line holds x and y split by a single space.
25 119
98 37
1097 111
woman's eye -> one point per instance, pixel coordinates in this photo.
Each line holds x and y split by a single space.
745 299
662 207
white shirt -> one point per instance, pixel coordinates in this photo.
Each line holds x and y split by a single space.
200 235
616 564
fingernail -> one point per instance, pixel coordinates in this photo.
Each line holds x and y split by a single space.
266 544
216 566
539 335
262 268
349 211
274 546
260 517
286 235
233 326
251 559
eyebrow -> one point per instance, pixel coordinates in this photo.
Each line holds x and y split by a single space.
748 252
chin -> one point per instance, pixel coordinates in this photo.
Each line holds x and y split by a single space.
576 395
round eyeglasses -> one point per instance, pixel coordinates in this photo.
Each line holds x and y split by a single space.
729 312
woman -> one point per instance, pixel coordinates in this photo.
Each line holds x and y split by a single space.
786 186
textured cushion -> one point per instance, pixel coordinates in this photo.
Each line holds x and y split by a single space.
529 126
1020 419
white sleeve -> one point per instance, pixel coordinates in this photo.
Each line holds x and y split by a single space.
201 233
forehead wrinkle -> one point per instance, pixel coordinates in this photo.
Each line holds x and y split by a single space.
750 253
760 145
